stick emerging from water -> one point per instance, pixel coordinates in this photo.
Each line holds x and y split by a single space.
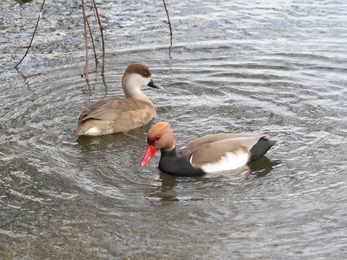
32 37
102 28
168 20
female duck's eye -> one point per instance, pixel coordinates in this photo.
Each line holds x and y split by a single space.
145 74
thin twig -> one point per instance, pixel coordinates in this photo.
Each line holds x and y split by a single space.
85 74
32 37
93 44
102 28
168 19
105 84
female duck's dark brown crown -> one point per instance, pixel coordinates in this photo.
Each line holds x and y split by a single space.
139 69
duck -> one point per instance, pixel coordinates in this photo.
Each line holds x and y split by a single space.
205 155
119 115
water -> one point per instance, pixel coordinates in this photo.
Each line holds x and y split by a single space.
258 67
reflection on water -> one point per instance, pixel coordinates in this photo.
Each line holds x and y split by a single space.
23 1
264 68
166 189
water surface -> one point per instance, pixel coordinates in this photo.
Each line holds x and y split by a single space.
257 67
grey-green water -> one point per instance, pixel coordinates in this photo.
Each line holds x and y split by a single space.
234 66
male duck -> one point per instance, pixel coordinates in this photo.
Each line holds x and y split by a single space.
208 154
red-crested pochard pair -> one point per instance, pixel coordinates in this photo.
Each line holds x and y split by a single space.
208 154
113 114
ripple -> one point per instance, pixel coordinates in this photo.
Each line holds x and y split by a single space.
232 67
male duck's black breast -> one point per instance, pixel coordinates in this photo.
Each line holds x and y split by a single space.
176 164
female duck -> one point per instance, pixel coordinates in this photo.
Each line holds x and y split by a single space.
113 114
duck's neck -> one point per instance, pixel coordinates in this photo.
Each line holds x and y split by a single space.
137 94
132 89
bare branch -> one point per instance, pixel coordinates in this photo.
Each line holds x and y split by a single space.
92 40
168 19
32 37
102 28
85 73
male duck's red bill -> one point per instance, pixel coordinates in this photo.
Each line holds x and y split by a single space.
208 154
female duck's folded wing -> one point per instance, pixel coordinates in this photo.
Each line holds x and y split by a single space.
109 109
94 111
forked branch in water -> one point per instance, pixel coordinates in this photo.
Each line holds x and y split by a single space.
86 24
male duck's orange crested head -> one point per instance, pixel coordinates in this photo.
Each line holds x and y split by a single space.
160 137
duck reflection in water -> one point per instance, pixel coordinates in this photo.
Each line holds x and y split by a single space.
167 191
